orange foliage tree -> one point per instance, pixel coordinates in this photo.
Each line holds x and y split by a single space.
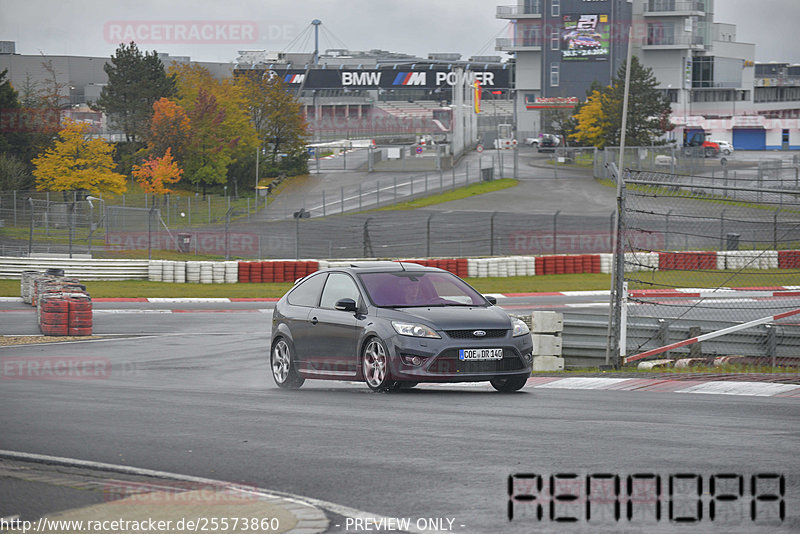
157 172
169 128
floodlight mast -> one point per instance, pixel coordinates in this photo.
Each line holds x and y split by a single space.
316 23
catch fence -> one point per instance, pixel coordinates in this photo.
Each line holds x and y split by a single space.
733 249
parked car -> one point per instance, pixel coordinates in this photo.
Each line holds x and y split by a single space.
548 143
394 325
725 147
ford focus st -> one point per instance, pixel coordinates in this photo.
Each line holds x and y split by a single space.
394 325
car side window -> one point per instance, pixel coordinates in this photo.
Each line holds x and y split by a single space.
306 293
338 286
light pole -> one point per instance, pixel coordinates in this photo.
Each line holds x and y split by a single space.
92 225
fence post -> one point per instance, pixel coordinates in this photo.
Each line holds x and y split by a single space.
428 236
771 344
696 350
611 226
189 208
555 231
775 230
491 234
666 231
297 238
454 177
722 230
30 235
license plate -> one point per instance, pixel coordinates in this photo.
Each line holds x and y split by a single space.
480 354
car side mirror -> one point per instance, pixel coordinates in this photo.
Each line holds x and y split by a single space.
347 305
492 300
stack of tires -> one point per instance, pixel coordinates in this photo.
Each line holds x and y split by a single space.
63 308
53 314
79 320
206 272
193 272
26 285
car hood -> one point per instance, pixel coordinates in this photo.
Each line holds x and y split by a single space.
452 317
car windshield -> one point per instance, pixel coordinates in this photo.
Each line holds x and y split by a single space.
417 289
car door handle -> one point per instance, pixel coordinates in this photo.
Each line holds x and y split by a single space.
314 320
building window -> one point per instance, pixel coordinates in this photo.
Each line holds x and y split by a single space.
661 5
670 94
531 35
661 33
555 8
555 40
554 72
703 72
532 7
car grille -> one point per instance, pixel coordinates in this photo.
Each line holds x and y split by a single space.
468 334
448 362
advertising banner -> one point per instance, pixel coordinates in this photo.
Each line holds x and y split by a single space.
585 37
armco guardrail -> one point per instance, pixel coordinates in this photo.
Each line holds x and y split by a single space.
502 266
585 336
84 269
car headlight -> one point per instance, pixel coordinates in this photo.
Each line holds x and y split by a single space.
413 330
520 328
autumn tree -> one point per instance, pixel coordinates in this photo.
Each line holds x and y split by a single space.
220 131
155 174
600 118
29 121
135 82
169 129
278 119
75 162
589 129
209 152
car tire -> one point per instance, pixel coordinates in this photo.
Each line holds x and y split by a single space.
509 384
375 366
726 152
282 362
709 152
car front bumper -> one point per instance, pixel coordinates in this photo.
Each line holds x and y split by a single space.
440 361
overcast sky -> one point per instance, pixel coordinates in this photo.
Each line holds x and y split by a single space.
468 27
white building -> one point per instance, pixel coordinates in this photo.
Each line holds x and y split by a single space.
710 78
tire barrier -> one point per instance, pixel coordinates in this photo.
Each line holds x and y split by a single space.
229 272
63 307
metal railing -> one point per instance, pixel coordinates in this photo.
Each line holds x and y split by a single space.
585 336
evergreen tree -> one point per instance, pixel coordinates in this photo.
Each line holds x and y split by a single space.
135 82
599 119
646 108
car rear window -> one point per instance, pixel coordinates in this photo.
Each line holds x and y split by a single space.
306 293
405 289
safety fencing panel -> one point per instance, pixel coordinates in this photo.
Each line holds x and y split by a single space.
735 261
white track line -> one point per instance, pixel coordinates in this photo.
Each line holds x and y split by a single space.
345 511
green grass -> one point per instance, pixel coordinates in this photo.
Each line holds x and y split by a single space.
456 194
708 369
514 284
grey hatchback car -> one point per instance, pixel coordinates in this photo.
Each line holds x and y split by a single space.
394 325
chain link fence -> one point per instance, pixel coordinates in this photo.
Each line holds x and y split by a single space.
733 246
